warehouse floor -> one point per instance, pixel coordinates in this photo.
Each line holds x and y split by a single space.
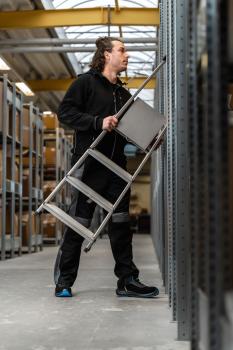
94 319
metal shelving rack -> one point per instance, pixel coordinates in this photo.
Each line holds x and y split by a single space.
211 246
171 209
11 186
53 173
190 192
33 162
57 172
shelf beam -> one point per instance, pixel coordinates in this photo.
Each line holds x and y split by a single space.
63 84
80 17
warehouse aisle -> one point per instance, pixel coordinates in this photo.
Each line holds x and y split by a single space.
94 319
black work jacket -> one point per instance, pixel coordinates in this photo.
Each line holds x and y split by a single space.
89 99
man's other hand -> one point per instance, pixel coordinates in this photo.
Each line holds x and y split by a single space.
109 123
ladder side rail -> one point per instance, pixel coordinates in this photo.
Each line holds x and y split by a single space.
95 236
162 132
139 167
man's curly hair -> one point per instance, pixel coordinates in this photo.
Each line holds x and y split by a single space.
103 44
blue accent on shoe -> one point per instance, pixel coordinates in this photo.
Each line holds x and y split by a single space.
65 293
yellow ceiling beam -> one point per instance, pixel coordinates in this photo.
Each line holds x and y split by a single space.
79 17
63 84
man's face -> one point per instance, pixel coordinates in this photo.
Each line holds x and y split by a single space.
118 58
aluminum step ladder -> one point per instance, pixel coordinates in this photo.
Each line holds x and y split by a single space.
146 137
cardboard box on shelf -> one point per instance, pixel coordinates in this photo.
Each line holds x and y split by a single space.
26 172
16 173
26 117
17 126
25 227
49 156
8 168
49 230
26 136
27 114
26 190
17 123
1 170
26 159
49 225
25 186
48 218
48 187
50 143
8 224
50 121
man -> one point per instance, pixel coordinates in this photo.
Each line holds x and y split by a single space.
89 107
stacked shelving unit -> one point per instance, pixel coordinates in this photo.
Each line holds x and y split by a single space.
57 159
11 101
192 172
32 177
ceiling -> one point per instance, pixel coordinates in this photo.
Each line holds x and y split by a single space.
55 65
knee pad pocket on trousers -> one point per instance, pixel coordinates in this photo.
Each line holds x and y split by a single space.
122 217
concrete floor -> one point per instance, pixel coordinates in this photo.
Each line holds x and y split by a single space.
94 319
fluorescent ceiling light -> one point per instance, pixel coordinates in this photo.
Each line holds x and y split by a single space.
25 89
3 65
47 112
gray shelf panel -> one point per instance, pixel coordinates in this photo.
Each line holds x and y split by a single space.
11 191
8 243
35 183
13 187
37 193
63 165
36 240
190 191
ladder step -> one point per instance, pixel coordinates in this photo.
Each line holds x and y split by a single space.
110 164
69 221
90 193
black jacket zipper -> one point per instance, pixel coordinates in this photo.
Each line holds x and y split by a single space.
115 107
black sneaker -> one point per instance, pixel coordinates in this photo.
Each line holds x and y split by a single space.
63 292
134 288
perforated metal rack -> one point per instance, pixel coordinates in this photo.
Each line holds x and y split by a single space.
11 187
197 238
34 165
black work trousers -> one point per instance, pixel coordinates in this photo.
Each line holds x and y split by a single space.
109 185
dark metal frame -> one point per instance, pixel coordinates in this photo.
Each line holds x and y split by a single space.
192 225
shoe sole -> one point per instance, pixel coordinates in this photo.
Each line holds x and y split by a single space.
64 294
122 293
